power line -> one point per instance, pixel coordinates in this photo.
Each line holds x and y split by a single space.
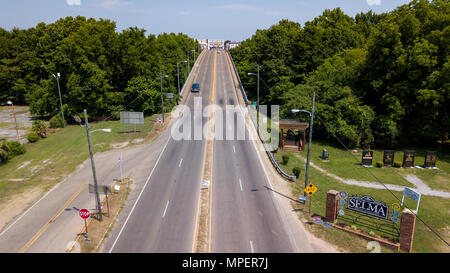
379 181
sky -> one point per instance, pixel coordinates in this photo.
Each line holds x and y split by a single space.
234 20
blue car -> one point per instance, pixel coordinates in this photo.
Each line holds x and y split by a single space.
195 87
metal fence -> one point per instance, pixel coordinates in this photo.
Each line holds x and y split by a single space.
253 118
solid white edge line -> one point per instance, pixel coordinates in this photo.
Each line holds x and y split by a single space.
167 205
139 197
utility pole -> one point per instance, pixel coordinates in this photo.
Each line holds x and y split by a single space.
57 76
93 167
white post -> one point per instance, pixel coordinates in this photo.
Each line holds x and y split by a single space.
120 164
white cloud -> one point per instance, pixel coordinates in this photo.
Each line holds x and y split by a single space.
112 3
73 2
373 2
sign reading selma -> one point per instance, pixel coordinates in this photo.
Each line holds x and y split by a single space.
368 205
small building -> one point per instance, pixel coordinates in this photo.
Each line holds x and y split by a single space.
231 45
292 134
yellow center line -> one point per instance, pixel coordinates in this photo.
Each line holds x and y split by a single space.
43 228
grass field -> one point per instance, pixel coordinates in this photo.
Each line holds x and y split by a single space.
347 165
49 160
433 210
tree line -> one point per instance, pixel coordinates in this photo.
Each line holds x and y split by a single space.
381 80
101 70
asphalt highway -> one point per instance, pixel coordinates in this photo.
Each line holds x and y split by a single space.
245 217
164 217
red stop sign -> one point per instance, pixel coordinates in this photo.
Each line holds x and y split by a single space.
84 213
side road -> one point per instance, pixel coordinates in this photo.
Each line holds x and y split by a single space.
53 221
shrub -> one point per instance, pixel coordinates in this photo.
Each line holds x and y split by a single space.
296 171
33 137
14 148
40 128
397 164
56 121
379 164
3 151
285 159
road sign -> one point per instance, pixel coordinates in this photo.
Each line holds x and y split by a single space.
310 189
170 95
84 213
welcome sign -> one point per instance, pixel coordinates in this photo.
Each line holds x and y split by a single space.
368 205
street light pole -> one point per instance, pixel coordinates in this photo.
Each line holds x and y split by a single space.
93 167
178 76
188 62
257 98
15 120
257 101
57 76
311 121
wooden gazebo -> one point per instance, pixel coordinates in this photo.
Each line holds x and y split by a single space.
292 134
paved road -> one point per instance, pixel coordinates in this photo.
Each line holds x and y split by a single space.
30 232
164 218
244 215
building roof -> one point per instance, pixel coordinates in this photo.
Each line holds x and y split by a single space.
293 124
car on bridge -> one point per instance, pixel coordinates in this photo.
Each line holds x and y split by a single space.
195 87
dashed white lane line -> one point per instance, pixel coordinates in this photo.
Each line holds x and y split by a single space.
240 183
251 246
180 162
234 148
167 205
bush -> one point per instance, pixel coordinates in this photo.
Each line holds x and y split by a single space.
33 137
285 159
56 121
3 151
397 164
379 164
14 148
296 171
40 128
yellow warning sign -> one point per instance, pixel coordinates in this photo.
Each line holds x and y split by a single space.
310 189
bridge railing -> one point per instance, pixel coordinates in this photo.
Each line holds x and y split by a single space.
251 111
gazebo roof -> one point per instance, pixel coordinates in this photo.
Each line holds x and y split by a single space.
291 124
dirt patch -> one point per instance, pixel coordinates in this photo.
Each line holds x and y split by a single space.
137 140
118 145
17 204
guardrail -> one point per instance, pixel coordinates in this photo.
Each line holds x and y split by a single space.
253 118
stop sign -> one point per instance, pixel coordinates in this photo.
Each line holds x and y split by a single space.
84 213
